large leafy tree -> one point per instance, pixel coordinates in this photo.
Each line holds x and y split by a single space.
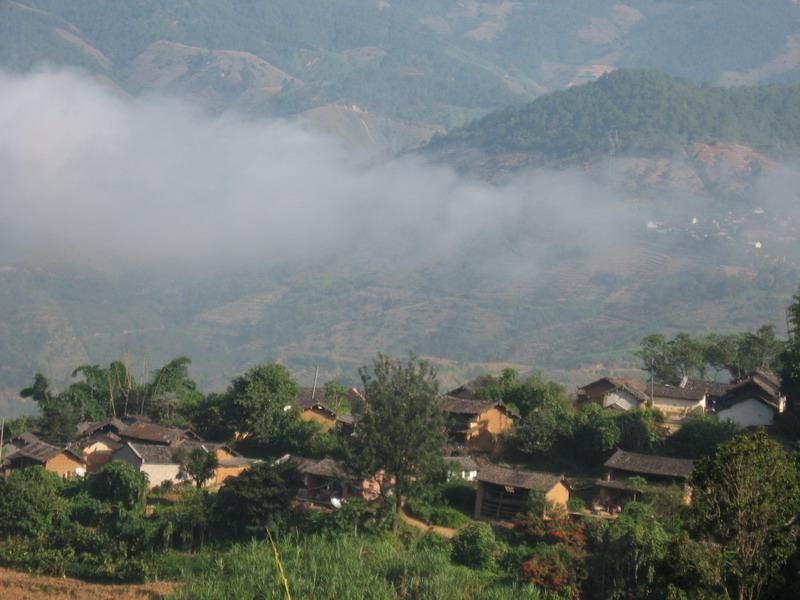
197 465
403 428
256 501
745 500
171 396
31 505
261 402
118 483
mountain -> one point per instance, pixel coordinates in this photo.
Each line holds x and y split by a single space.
420 65
632 112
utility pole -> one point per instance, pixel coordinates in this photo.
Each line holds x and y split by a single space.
314 389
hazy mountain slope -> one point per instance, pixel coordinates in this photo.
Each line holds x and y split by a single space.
428 63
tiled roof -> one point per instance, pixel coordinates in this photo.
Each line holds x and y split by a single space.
692 390
762 385
155 454
466 407
151 432
648 464
528 480
327 467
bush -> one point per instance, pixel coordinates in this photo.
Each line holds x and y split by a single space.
475 546
443 516
460 495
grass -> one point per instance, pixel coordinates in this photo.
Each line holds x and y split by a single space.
345 567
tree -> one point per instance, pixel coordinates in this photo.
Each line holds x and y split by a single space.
256 501
745 500
197 465
635 547
31 504
403 428
669 361
335 393
261 402
700 436
595 434
171 395
39 392
544 426
790 357
120 484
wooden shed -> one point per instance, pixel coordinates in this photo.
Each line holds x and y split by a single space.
504 493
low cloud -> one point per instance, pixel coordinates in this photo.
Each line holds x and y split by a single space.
88 175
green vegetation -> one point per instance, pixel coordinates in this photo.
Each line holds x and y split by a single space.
402 429
636 113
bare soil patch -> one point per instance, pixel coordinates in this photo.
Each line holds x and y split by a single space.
21 586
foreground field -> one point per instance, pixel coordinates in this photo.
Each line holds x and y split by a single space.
20 586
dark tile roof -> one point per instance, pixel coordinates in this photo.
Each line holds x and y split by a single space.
761 385
648 464
237 461
528 480
155 454
151 432
466 407
25 438
113 424
692 390
636 387
327 467
348 419
41 452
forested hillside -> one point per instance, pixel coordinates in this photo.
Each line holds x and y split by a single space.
636 113
430 63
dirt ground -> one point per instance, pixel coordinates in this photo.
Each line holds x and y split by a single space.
20 586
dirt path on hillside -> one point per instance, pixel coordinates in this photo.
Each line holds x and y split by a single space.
443 531
21 586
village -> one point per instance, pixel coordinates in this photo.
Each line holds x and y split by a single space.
477 432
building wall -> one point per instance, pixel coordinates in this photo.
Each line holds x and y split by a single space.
485 429
596 392
158 474
621 399
325 420
748 413
64 465
97 454
675 405
224 472
558 496
125 454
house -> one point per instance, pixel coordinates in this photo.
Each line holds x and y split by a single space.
98 448
346 424
614 392
329 481
160 462
754 401
616 488
679 400
504 493
152 433
461 467
27 450
653 468
476 424
314 405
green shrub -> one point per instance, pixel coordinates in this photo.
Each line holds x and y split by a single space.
475 546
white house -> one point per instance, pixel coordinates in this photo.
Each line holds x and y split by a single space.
754 401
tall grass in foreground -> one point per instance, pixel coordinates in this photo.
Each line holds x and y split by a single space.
347 567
